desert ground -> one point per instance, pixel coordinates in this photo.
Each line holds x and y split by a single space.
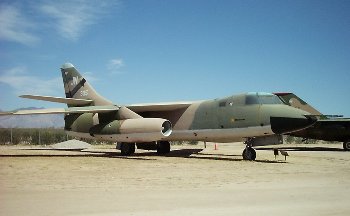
314 180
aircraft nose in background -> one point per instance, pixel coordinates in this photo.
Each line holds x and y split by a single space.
287 124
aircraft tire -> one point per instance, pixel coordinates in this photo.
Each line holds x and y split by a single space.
249 154
346 145
163 147
127 149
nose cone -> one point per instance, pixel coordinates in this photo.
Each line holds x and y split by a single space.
283 125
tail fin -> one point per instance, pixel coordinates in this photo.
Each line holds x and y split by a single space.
292 100
75 86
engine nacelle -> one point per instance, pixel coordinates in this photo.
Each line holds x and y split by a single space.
133 130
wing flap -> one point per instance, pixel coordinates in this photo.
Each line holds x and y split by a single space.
69 101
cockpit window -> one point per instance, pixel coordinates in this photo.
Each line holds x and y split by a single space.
262 98
222 103
269 99
251 99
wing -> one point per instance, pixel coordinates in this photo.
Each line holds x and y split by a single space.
69 101
169 110
87 109
158 107
327 129
337 121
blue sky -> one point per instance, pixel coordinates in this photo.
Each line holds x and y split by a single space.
175 50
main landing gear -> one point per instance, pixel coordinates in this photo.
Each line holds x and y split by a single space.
346 145
163 147
126 149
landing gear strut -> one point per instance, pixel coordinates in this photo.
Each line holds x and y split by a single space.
346 145
127 149
163 147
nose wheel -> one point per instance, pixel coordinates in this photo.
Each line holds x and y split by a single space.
249 153
346 145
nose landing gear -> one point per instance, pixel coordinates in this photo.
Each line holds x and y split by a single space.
249 152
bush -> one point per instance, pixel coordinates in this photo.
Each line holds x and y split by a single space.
32 136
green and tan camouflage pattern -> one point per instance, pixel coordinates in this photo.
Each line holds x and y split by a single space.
75 86
326 128
227 119
223 119
296 102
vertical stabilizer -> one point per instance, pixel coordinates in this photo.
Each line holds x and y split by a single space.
76 86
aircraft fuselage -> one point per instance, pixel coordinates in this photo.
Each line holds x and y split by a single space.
220 120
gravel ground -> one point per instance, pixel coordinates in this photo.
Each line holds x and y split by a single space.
190 181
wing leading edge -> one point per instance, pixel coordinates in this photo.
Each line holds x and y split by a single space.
156 107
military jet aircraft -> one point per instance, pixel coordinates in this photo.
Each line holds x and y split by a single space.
328 128
258 118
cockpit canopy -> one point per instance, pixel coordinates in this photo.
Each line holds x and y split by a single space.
251 98
261 98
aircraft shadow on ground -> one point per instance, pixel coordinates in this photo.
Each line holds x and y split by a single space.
173 153
196 154
83 154
182 153
193 154
303 149
220 154
235 159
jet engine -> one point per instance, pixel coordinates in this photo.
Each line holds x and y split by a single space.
133 130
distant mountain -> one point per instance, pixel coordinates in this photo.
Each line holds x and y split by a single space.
32 121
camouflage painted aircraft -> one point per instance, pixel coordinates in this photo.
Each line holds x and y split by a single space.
257 118
328 128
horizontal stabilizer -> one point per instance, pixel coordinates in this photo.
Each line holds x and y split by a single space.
68 101
88 109
92 109
6 113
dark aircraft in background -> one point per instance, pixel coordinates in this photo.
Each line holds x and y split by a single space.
256 118
328 128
